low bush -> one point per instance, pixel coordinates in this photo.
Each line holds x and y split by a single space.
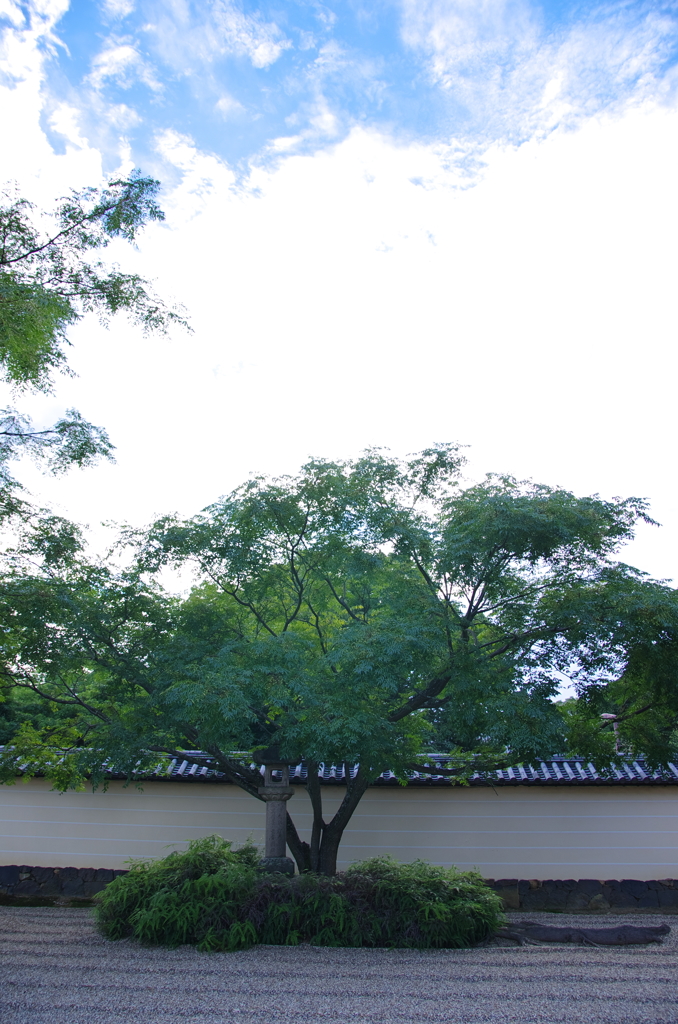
215 897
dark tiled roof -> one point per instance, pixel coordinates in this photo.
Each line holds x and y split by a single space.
556 771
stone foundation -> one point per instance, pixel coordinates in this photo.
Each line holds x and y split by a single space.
53 886
588 895
20 883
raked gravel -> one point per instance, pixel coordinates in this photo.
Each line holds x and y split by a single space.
56 969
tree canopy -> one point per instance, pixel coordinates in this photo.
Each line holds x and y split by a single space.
365 612
48 281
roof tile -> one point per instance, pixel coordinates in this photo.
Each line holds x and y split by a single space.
556 771
559 771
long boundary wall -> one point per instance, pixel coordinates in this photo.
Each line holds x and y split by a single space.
510 832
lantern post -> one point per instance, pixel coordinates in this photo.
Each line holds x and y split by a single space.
275 792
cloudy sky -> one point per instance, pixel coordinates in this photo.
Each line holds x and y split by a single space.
393 223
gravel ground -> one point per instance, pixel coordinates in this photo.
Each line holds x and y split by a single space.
56 969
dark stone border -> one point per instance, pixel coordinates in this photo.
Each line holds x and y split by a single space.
588 895
22 884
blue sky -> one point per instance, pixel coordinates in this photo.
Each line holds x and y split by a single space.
238 76
391 223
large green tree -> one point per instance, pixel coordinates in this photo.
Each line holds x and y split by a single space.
361 613
51 275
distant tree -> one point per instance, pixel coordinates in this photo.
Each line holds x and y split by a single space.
627 682
48 281
361 613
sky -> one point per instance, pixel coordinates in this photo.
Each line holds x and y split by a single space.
392 223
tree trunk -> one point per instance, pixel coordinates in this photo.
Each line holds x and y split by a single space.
320 855
299 849
307 857
333 831
327 855
318 827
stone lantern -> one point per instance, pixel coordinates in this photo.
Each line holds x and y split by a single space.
275 792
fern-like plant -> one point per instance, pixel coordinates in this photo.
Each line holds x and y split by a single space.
215 897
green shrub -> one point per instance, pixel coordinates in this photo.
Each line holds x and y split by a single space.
420 905
214 896
167 901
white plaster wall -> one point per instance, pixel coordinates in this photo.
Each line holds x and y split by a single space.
510 832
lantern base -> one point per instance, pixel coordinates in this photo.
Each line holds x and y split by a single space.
276 865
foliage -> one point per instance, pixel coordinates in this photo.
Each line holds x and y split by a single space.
631 678
47 283
123 909
213 896
71 441
364 613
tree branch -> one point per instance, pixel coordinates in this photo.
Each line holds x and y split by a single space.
420 700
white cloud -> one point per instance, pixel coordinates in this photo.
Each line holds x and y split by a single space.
118 8
188 37
495 59
229 106
539 328
12 11
65 120
25 53
322 125
122 63
245 34
462 32
203 176
42 173
31 33
322 115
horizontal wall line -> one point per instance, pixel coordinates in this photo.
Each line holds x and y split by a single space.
225 826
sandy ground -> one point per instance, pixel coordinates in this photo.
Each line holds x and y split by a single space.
56 969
